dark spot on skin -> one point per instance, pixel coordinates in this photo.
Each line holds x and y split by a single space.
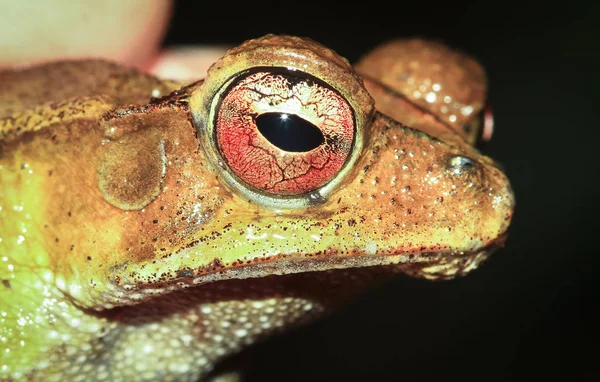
72 246
351 222
49 172
155 221
6 283
89 258
186 272
69 213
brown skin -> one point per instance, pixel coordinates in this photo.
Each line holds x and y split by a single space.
137 254
428 86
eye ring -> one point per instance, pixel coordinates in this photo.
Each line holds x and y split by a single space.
275 53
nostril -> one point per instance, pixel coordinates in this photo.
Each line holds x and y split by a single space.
459 164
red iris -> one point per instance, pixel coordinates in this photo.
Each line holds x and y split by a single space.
284 133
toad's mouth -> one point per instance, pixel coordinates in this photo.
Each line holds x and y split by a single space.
429 265
439 265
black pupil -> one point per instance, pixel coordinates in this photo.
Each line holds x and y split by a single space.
289 132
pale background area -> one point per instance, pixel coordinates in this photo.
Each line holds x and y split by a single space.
130 32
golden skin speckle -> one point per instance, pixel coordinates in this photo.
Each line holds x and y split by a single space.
102 282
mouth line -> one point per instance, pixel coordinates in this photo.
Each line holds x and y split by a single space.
430 265
289 264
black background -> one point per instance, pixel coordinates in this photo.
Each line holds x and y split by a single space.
527 314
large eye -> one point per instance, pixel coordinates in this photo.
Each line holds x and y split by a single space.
283 132
283 120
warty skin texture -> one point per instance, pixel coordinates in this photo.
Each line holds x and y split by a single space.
160 276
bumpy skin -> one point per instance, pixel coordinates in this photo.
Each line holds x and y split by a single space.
428 86
128 251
